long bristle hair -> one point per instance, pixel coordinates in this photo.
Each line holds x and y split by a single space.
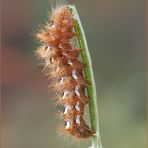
66 69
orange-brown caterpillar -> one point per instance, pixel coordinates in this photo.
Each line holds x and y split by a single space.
66 69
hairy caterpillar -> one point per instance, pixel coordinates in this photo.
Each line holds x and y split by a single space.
66 69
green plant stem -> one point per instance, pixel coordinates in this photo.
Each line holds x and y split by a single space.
91 90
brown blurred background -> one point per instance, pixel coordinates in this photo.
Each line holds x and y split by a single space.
116 35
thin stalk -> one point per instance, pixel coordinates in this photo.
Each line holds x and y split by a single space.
91 90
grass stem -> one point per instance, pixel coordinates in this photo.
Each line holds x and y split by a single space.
91 90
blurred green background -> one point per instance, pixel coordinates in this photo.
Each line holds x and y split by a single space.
116 35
